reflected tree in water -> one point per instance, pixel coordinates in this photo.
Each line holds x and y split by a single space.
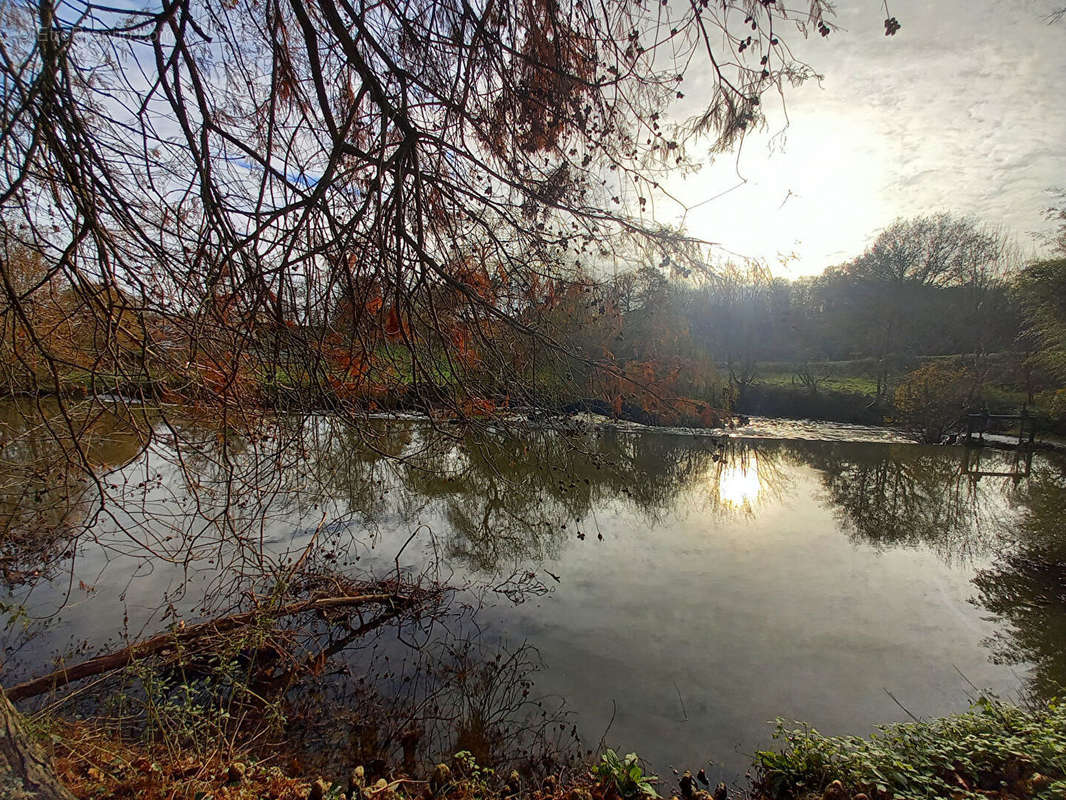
46 496
509 499
1026 586
902 495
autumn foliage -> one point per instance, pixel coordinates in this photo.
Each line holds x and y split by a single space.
410 205
617 346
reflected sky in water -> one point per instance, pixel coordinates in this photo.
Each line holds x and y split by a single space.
696 587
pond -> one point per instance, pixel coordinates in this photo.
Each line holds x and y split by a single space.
660 591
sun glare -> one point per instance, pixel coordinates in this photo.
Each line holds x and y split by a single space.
738 483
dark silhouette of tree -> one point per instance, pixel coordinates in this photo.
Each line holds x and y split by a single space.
911 254
1041 290
340 203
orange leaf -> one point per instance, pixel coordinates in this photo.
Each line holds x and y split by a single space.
394 327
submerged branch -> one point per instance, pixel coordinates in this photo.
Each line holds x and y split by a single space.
163 641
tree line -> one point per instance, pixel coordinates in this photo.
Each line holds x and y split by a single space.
642 343
929 285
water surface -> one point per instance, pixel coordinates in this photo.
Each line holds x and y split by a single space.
678 591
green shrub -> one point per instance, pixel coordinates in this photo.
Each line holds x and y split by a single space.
932 399
627 774
994 747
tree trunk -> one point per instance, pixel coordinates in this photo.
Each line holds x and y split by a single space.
24 771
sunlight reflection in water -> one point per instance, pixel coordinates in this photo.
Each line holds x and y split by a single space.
738 484
784 568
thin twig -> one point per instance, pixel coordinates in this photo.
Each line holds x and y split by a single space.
898 703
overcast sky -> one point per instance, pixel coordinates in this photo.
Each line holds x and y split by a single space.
963 110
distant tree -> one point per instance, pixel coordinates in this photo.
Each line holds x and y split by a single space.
910 255
1041 291
1057 215
936 250
744 315
738 315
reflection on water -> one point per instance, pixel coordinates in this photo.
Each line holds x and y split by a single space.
680 590
50 474
914 496
1026 586
738 482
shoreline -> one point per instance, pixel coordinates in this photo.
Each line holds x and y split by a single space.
992 750
741 426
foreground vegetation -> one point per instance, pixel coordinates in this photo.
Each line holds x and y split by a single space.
993 750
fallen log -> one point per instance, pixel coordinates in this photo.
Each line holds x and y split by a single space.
120 658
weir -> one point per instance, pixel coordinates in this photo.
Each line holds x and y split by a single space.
980 422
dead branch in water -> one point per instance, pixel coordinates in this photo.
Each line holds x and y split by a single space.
163 641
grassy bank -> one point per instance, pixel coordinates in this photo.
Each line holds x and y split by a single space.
783 400
864 390
993 750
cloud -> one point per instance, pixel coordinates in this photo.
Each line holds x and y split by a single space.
960 111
